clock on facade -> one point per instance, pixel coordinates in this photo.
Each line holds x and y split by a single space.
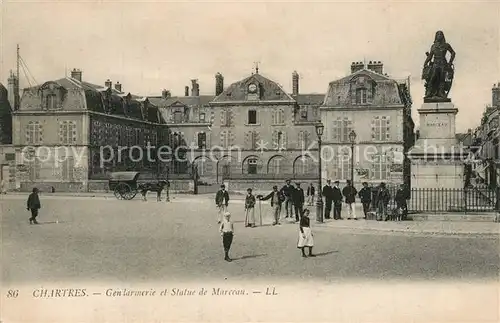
252 88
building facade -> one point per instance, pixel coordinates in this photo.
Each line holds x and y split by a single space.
70 134
378 109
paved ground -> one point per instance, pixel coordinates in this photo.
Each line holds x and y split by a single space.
105 239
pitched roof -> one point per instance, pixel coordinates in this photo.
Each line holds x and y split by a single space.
310 99
190 101
385 90
268 90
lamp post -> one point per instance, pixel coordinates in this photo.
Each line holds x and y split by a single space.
319 201
352 139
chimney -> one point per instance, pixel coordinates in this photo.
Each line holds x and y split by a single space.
186 90
118 87
376 66
195 88
108 83
13 91
219 84
295 83
357 66
76 74
165 94
495 95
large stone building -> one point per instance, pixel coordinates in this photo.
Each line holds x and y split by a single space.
65 124
9 101
252 130
378 109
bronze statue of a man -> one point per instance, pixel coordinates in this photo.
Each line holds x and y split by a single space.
438 72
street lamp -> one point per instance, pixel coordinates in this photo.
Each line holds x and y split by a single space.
352 139
319 201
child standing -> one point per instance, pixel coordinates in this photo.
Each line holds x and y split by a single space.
33 205
250 209
305 235
227 233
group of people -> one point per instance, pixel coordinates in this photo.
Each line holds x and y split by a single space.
292 198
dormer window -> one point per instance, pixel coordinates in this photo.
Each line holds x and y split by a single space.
51 103
202 117
361 96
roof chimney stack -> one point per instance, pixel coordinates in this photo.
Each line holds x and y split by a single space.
76 74
118 87
13 91
495 95
195 88
108 84
295 83
219 84
186 90
357 66
376 66
165 94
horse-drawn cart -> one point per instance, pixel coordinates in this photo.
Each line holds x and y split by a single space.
126 185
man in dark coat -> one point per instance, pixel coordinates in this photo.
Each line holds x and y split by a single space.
402 195
365 195
383 198
310 194
298 201
33 205
350 193
221 201
287 192
277 199
337 201
327 193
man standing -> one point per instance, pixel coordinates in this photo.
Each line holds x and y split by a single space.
287 191
221 201
276 201
310 194
33 205
298 201
350 193
365 195
383 198
337 201
327 193
401 204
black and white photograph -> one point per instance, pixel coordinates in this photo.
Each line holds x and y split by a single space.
249 161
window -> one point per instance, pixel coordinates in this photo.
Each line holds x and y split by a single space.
202 140
276 165
252 166
280 139
225 116
68 169
67 132
361 96
51 103
341 129
225 139
303 113
178 115
381 129
34 133
381 167
251 139
304 139
202 117
252 117
279 117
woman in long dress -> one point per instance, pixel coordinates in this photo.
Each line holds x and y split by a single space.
305 235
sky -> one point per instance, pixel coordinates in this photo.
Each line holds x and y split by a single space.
153 45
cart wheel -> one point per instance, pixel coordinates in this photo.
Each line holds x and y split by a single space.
123 190
117 194
130 195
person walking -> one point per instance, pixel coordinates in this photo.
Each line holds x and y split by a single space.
383 198
250 209
227 234
310 194
277 199
287 191
327 193
305 235
401 204
33 205
337 201
298 201
350 193
3 190
365 195
221 201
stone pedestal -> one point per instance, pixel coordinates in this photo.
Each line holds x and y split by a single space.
437 159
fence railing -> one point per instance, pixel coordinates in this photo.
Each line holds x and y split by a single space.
306 176
437 200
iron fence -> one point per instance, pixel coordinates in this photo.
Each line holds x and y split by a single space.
443 200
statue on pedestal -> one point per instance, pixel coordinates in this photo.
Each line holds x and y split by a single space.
438 72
